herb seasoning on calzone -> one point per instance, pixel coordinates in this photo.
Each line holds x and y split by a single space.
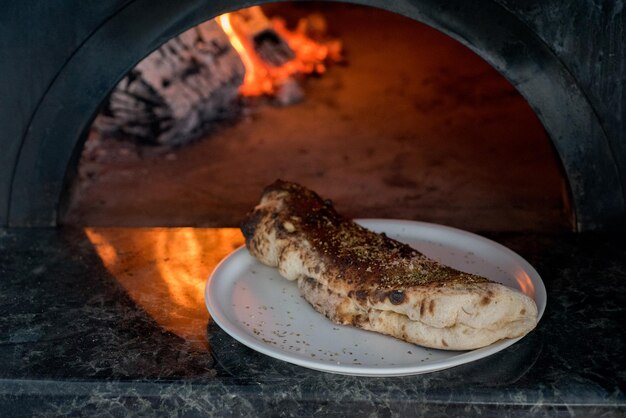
358 277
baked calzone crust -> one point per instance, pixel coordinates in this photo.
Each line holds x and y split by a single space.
358 277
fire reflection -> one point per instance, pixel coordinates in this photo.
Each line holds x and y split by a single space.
525 283
164 270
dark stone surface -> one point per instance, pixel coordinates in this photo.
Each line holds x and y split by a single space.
72 341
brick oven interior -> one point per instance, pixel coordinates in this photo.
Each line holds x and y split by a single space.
411 125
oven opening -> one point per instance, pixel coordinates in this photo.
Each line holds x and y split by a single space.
387 116
137 135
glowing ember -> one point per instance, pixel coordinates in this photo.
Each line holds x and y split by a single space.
263 78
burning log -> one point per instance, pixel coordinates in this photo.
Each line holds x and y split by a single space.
191 83
260 33
178 92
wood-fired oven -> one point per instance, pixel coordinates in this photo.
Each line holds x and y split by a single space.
103 307
55 76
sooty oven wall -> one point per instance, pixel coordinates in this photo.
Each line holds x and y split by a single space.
59 60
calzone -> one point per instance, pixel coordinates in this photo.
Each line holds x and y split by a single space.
358 277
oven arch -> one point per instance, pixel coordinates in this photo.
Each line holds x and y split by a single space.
53 139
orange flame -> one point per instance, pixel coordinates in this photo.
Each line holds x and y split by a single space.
262 78
257 80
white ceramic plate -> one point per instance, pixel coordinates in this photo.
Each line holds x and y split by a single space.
264 311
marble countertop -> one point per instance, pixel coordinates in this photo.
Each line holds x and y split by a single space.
111 322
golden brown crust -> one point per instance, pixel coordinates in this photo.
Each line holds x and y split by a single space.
367 275
460 336
362 258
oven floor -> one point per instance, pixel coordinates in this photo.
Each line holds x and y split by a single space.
112 322
414 126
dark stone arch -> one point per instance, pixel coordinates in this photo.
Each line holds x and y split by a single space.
49 149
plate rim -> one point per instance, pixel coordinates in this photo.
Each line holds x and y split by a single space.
233 329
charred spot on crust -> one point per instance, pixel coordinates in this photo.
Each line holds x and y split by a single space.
431 306
361 295
445 344
251 223
485 301
396 297
522 312
422 309
310 281
284 253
